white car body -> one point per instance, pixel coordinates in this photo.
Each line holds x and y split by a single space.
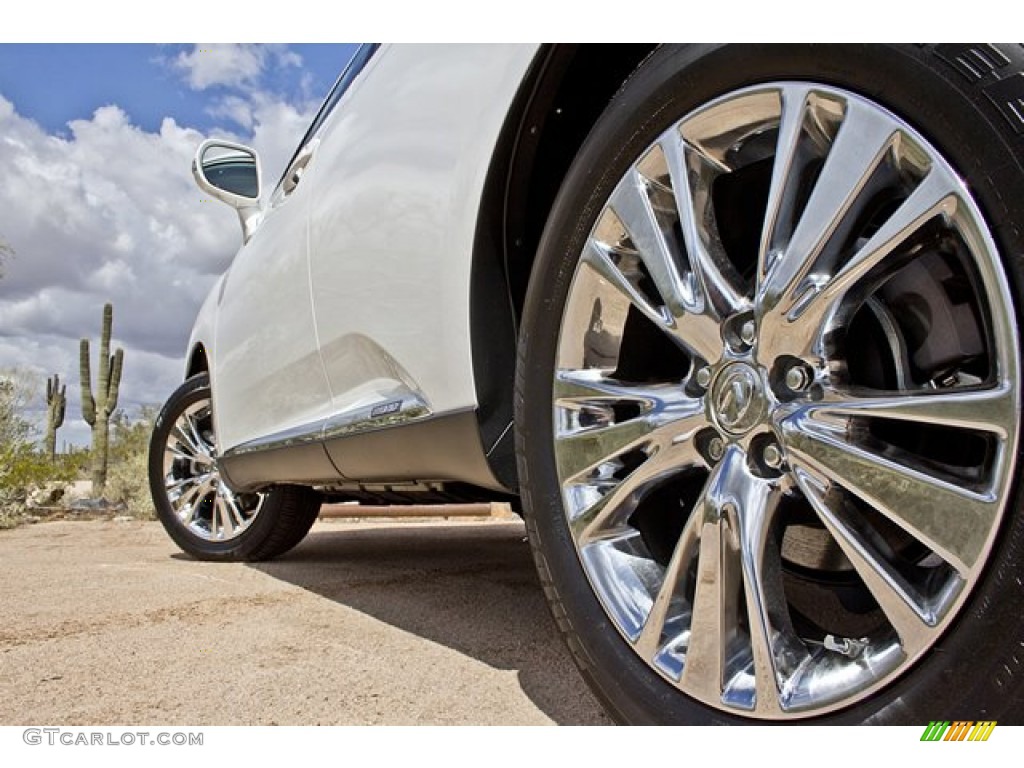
352 293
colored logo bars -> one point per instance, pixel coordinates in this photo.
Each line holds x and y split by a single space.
961 730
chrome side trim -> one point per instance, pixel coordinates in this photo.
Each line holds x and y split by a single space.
289 438
400 407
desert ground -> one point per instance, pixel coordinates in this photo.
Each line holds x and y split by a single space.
412 622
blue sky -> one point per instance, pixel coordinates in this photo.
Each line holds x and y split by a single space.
97 199
53 84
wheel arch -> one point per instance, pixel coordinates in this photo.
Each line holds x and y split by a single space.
198 362
563 93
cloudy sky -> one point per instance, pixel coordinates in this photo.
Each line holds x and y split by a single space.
97 198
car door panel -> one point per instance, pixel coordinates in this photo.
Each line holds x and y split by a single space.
396 189
269 377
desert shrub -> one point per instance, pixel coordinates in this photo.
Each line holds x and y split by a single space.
23 466
16 391
127 477
17 466
26 467
12 513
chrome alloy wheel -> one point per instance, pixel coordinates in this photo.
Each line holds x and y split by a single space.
786 403
203 503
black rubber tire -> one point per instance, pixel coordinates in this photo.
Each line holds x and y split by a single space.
959 98
287 514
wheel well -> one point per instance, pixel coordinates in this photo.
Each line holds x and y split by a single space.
577 84
197 362
560 99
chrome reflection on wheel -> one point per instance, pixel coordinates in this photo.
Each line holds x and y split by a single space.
786 400
203 504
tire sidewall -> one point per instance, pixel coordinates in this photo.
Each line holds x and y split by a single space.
960 677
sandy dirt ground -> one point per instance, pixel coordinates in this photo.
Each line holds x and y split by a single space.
363 623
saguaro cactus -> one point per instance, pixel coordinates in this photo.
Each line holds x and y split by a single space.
55 403
97 409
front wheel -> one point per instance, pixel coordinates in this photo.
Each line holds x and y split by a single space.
768 400
207 519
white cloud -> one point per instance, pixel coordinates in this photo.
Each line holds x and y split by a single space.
233 108
234 65
110 213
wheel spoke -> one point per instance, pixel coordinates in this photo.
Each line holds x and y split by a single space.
174 484
194 495
783 188
185 441
668 416
227 525
649 641
597 256
606 515
581 452
197 439
187 514
592 386
704 667
177 453
863 139
913 622
935 196
797 324
734 519
684 316
983 410
216 528
715 275
237 518
772 649
661 256
953 522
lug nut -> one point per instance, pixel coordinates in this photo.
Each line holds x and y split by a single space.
716 448
748 332
772 456
798 378
703 377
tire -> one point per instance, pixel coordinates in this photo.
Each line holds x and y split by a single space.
778 479
205 518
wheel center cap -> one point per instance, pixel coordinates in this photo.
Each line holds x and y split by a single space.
737 398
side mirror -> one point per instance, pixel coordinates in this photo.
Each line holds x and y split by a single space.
231 173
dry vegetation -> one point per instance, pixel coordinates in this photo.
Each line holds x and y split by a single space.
33 487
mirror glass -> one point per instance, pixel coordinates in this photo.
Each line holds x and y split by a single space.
233 170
